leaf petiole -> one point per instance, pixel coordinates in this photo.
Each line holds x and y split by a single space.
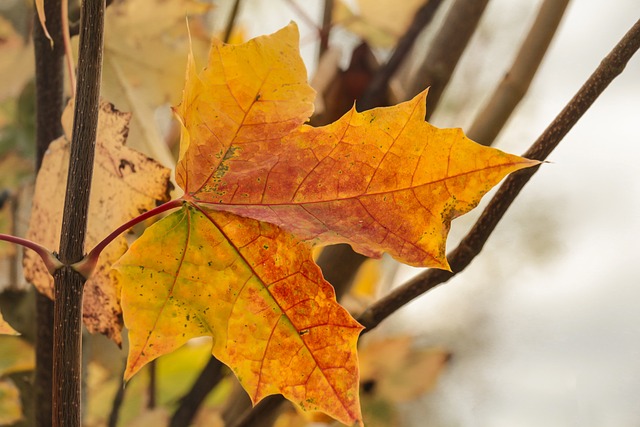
50 260
87 264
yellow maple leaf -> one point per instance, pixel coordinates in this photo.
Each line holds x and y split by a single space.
261 188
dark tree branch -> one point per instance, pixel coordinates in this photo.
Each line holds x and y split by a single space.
118 399
446 50
49 69
209 377
610 67
377 90
515 84
152 387
68 283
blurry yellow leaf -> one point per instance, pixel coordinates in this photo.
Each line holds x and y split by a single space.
379 22
6 329
396 371
10 404
16 355
144 60
367 278
175 374
125 184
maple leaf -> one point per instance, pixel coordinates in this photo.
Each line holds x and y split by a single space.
261 188
125 183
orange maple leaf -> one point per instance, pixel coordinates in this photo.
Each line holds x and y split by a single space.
260 189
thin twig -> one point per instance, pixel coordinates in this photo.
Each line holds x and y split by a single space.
118 399
447 48
152 386
515 84
231 23
50 261
327 16
610 67
377 90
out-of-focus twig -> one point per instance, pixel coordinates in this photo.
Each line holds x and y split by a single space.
610 67
446 49
118 399
209 377
231 22
377 90
514 85
326 27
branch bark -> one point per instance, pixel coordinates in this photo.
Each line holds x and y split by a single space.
446 50
515 84
49 69
610 67
68 283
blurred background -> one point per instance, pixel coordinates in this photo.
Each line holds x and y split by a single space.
544 327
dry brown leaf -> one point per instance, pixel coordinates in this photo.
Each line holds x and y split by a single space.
125 184
398 372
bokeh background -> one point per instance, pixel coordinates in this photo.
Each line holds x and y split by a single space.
544 327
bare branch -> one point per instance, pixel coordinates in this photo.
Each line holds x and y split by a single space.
610 67
68 283
517 80
446 50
